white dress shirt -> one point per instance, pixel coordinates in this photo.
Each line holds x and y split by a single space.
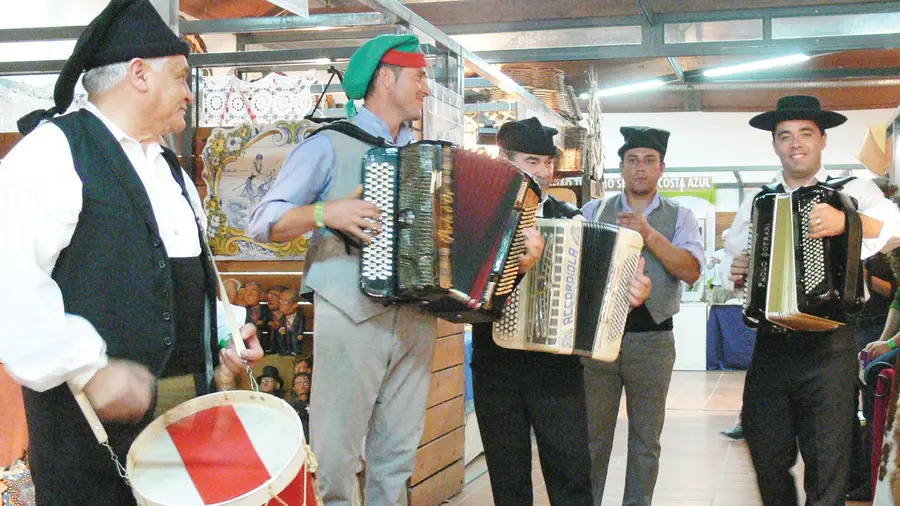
40 201
870 201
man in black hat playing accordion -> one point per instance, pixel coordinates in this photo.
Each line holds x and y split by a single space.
108 256
673 252
799 389
516 391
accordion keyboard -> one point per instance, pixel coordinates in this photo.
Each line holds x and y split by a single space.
812 252
377 265
618 312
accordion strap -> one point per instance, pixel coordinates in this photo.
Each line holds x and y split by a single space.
837 183
351 130
854 231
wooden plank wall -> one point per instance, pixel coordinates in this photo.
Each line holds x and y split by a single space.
440 471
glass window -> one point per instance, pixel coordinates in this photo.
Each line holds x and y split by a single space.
713 31
833 26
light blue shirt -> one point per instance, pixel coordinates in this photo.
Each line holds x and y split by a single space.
687 230
306 175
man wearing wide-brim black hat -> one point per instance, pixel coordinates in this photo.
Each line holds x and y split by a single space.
799 389
107 258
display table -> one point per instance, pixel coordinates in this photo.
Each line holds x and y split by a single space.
729 342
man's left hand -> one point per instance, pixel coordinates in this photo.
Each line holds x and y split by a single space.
636 222
534 246
825 221
231 366
639 287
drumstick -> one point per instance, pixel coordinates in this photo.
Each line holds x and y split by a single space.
233 329
89 414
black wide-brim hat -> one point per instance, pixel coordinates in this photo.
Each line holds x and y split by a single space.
794 107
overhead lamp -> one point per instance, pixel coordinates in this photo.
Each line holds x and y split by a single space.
756 65
631 88
298 7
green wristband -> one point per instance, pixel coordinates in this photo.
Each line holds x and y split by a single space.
320 214
891 344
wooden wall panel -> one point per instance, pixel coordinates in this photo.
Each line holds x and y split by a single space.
438 454
448 351
446 385
440 470
438 488
443 419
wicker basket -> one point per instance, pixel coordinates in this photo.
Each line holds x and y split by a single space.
551 98
574 150
533 76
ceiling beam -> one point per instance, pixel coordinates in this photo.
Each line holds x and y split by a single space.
668 18
282 23
659 49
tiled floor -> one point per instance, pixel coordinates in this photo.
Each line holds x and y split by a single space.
698 465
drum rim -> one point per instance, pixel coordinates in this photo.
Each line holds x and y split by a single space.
255 497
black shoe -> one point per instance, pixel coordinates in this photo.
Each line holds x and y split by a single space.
860 493
736 433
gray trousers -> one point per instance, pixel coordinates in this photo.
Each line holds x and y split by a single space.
643 370
370 383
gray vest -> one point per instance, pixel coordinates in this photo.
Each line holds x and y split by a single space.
329 270
665 296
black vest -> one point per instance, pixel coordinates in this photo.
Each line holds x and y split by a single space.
116 274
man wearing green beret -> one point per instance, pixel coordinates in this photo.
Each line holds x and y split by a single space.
373 362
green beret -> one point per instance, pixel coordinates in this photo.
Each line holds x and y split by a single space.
406 53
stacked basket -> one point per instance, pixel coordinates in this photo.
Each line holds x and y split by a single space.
545 83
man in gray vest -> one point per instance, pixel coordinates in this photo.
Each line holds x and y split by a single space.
673 251
373 362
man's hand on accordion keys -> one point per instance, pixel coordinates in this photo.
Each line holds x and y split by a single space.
639 287
826 221
534 246
357 217
740 269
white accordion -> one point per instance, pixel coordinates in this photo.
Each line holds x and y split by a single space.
575 299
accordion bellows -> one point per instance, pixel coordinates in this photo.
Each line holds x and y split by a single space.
796 282
451 228
575 299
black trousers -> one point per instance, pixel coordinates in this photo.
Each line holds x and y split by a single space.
68 465
799 392
526 390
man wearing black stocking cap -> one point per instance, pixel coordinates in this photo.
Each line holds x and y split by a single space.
673 252
517 391
108 257
799 392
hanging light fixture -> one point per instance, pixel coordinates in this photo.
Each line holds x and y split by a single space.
756 65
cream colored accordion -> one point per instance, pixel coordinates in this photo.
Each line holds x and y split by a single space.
575 299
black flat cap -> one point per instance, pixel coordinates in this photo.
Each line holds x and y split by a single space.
644 137
124 30
527 136
797 107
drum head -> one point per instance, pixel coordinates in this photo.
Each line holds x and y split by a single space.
227 448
